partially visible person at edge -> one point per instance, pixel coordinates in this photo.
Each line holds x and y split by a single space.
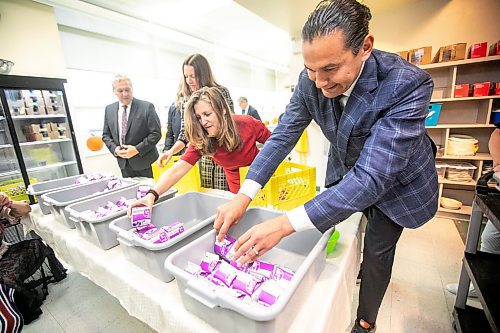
131 130
247 108
371 105
197 74
174 123
215 132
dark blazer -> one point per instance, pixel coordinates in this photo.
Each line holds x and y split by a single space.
143 132
253 112
173 128
379 151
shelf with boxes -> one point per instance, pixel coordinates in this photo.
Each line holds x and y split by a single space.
38 126
461 124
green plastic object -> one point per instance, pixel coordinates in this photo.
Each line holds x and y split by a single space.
332 242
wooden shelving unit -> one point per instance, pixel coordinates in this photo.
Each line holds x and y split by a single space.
468 115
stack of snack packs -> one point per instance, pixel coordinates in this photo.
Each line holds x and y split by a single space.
108 209
142 227
262 282
84 179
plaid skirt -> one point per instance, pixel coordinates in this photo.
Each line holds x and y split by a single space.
212 175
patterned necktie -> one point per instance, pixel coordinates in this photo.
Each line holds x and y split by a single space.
337 107
243 111
124 124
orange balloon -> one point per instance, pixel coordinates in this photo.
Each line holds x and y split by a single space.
95 143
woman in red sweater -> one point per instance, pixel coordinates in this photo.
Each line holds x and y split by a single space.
212 130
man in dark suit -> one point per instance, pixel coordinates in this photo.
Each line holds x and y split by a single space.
247 108
131 130
371 106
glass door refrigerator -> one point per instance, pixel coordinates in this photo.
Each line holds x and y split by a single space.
37 140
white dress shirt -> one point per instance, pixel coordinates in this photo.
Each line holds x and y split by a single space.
298 216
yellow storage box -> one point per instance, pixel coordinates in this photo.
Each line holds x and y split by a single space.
291 185
190 181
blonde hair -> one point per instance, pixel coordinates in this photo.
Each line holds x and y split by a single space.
227 134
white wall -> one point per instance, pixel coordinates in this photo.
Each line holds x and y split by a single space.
423 23
29 38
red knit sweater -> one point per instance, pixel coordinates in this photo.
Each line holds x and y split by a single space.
251 132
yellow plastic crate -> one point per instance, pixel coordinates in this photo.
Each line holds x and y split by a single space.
291 185
15 188
190 181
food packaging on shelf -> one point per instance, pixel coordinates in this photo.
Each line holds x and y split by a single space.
462 145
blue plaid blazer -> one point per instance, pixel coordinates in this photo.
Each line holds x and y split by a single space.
379 151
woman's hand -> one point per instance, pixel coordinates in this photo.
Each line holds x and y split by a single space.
147 200
164 158
230 213
261 238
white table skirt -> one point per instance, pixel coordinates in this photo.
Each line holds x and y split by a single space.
158 304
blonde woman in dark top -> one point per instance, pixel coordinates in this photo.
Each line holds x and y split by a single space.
198 74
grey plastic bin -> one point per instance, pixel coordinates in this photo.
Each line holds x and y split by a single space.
97 230
303 252
38 189
197 212
57 201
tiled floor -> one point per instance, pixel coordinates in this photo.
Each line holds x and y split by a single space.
416 301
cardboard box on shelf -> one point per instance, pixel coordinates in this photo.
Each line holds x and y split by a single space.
462 90
31 128
420 56
54 135
16 107
33 137
478 50
495 49
403 54
452 52
482 89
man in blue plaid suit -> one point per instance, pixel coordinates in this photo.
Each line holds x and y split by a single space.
371 106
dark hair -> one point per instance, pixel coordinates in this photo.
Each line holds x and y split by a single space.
202 71
329 16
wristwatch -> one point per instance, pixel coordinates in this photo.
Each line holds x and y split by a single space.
153 192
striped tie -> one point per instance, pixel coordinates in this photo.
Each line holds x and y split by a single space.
124 124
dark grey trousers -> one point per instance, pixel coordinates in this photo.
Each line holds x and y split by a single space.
381 237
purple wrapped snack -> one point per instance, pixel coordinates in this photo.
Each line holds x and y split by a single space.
226 273
141 216
210 262
174 229
141 231
245 282
282 273
114 184
142 191
269 293
262 268
194 269
223 248
122 202
215 281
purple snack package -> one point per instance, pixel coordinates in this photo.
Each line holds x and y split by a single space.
226 273
194 269
269 293
141 216
210 262
282 273
114 184
122 202
174 229
245 282
215 281
144 230
142 191
223 248
262 268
